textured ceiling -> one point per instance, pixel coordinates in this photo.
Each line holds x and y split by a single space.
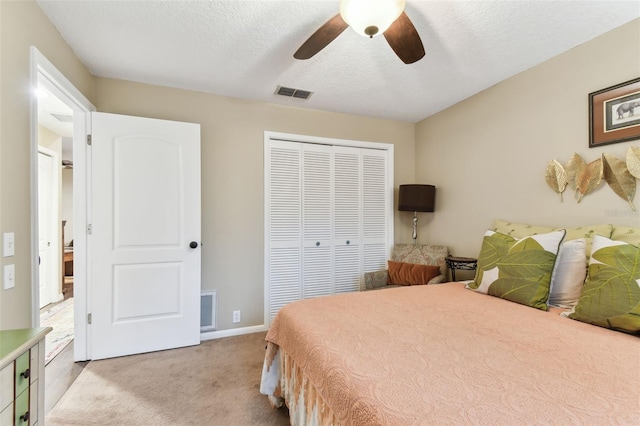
244 49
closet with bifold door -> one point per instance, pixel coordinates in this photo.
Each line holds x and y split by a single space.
328 216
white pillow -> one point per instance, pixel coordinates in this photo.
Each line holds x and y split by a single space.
569 274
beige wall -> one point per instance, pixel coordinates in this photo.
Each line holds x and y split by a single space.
232 175
23 24
487 155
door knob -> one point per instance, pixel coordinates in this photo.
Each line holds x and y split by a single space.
193 244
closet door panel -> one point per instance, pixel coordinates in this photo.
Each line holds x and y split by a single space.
347 268
375 207
317 208
347 195
285 192
285 277
347 219
285 227
317 272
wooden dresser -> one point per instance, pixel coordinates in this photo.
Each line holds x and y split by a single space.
22 376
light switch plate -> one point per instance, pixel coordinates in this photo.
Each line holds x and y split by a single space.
9 276
8 244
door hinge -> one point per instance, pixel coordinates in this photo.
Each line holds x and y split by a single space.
89 318
88 139
89 229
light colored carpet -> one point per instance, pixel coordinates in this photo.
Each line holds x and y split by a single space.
60 317
215 383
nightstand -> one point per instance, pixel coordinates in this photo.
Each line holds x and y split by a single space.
460 263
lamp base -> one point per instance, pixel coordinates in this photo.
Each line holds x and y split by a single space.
415 228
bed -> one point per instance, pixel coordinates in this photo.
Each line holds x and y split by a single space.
488 351
442 354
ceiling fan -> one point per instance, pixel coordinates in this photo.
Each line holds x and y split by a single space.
369 18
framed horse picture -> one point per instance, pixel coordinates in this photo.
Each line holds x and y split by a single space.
614 114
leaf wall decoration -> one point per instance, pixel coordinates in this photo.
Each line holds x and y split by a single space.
589 178
619 178
556 177
633 161
574 168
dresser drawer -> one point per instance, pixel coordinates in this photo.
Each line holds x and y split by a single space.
6 415
22 372
22 376
6 387
22 409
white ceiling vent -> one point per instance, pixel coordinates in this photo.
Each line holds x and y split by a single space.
293 93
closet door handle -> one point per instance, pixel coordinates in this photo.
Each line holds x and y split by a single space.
193 244
317 243
348 242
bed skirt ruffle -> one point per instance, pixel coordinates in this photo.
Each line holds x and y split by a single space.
284 383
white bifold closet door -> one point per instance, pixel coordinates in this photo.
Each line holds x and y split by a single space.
347 219
327 219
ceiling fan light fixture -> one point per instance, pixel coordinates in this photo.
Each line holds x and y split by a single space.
370 18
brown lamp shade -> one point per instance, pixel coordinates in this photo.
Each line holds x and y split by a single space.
417 198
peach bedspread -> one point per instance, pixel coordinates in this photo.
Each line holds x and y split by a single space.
441 354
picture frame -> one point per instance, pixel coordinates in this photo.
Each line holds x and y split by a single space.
614 114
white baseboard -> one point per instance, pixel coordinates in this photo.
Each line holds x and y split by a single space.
211 335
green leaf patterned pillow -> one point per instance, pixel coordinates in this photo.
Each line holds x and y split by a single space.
611 296
517 270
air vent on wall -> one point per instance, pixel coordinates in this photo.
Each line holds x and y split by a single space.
293 93
208 306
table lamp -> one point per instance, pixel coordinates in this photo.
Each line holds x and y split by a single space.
416 198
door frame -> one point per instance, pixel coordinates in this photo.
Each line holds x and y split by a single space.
53 223
60 86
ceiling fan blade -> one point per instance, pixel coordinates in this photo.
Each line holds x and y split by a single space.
321 38
404 40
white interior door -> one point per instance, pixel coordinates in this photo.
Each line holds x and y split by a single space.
144 274
48 241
